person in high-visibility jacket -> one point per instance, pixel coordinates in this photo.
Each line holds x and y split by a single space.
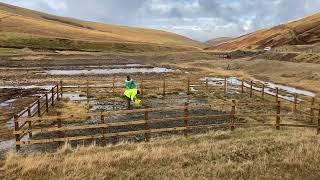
131 91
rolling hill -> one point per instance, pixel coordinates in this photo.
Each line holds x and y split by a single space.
304 31
20 27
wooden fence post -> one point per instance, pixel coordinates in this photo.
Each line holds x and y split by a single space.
277 94
207 86
146 126
225 85
251 88
188 86
318 129
312 109
61 88
278 116
113 92
102 131
29 111
242 87
142 88
87 93
262 91
295 102
39 107
58 97
16 128
186 119
52 96
164 87
113 86
29 122
59 122
47 102
233 115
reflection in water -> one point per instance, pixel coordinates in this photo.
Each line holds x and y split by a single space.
110 71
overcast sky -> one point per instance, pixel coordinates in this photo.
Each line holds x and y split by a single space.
197 19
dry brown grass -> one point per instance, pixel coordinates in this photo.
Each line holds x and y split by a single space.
37 23
255 153
295 32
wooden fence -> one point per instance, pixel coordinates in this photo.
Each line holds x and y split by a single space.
164 87
114 88
38 108
230 120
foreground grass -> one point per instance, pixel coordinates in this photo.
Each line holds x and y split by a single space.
243 154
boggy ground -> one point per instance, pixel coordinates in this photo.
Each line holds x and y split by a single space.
299 74
27 69
250 153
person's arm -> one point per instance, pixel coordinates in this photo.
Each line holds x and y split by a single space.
134 85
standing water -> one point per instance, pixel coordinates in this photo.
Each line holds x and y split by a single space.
110 71
234 82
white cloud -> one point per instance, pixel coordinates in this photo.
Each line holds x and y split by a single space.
56 5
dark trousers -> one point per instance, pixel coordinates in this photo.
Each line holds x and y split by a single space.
129 101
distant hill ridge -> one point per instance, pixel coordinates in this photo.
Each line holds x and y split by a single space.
305 31
219 40
20 23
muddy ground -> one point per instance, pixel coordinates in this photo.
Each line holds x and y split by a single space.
29 70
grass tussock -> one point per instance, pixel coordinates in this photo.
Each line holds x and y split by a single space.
255 153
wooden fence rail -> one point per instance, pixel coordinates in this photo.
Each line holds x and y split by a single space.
39 108
231 124
42 105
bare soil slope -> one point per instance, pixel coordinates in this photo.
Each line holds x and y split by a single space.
304 31
19 23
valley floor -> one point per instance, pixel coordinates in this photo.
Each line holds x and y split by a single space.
254 153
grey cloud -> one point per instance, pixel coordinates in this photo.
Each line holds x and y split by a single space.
198 19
